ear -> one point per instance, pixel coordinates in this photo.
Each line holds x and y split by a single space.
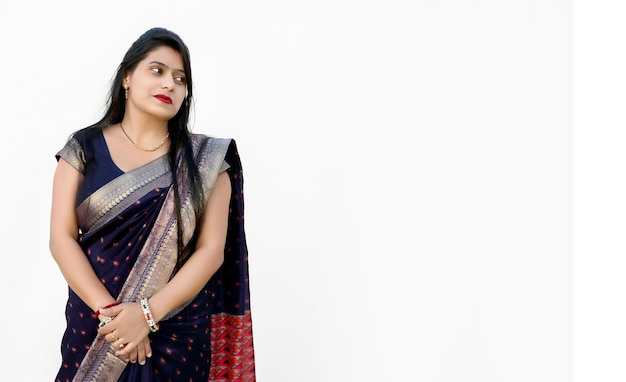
126 81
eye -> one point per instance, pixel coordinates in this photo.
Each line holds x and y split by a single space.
156 69
180 79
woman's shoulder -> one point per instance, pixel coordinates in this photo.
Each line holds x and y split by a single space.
76 149
212 148
84 135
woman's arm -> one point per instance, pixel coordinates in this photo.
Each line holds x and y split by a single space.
206 259
64 247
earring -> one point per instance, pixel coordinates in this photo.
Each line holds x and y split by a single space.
126 92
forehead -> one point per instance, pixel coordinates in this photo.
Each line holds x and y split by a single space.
165 55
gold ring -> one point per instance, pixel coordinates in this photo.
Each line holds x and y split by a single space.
114 338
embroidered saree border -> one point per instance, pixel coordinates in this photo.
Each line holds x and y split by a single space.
114 197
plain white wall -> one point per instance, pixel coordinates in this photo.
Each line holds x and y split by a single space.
408 173
600 186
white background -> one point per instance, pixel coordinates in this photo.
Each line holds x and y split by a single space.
600 186
409 171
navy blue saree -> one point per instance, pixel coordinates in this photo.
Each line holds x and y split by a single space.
128 231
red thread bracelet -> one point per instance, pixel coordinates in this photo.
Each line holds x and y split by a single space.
106 307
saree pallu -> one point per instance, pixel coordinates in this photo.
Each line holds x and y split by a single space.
129 234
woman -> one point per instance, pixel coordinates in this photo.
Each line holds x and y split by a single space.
147 229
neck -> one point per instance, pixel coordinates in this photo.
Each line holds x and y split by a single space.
143 124
147 129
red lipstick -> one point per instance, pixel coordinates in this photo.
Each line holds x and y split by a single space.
163 98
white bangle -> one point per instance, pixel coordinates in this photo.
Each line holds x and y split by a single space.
148 315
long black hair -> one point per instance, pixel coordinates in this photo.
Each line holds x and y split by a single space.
178 128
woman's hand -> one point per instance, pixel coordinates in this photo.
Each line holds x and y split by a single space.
127 332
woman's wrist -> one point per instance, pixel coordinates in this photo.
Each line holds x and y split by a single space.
152 324
106 307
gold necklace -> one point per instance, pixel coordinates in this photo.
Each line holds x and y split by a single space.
149 149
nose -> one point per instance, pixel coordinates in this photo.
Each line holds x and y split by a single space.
167 83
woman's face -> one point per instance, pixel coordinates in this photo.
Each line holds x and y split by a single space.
157 86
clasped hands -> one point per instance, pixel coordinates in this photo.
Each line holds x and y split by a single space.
125 328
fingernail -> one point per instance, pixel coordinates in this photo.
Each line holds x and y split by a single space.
142 363
133 360
149 355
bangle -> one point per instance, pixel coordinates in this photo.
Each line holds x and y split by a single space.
148 315
106 307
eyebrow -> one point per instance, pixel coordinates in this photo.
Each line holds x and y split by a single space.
162 64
